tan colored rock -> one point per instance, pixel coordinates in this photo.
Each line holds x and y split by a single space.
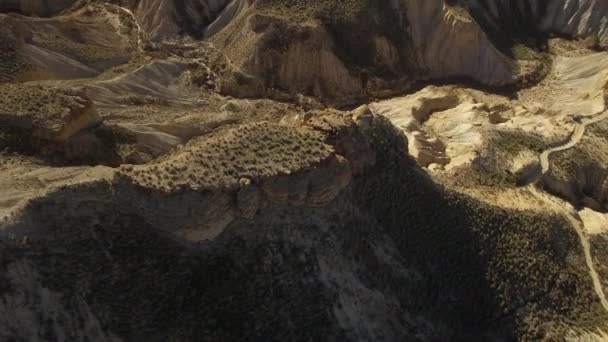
452 33
363 116
326 183
410 113
461 130
167 20
345 132
427 150
80 115
154 83
151 140
582 82
578 18
48 50
248 198
308 66
595 223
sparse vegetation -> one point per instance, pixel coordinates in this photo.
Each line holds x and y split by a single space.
11 64
35 101
579 174
87 52
492 168
212 218
255 151
522 253
314 10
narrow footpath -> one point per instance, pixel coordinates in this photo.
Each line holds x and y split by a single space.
577 223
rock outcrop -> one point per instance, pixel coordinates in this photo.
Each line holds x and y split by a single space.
124 230
449 43
256 165
578 19
169 20
153 82
583 82
232 170
201 188
444 129
390 55
516 18
595 223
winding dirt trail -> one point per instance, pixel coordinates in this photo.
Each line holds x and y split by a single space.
577 223
542 167
575 138
597 285
130 13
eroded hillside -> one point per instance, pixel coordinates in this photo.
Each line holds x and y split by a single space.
326 170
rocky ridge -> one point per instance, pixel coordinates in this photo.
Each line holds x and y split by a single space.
177 171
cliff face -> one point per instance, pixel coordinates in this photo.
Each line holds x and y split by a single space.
521 18
354 63
451 32
279 55
214 180
165 19
582 18
194 170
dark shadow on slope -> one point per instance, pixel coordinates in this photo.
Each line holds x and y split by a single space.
405 251
517 22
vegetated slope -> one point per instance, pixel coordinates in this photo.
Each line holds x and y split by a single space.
252 219
81 44
579 175
333 270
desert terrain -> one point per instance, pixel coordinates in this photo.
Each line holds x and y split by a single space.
322 170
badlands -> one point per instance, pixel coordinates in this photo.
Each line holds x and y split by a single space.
321 170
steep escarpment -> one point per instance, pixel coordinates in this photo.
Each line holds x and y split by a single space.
281 55
180 171
284 45
530 21
450 31
235 174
